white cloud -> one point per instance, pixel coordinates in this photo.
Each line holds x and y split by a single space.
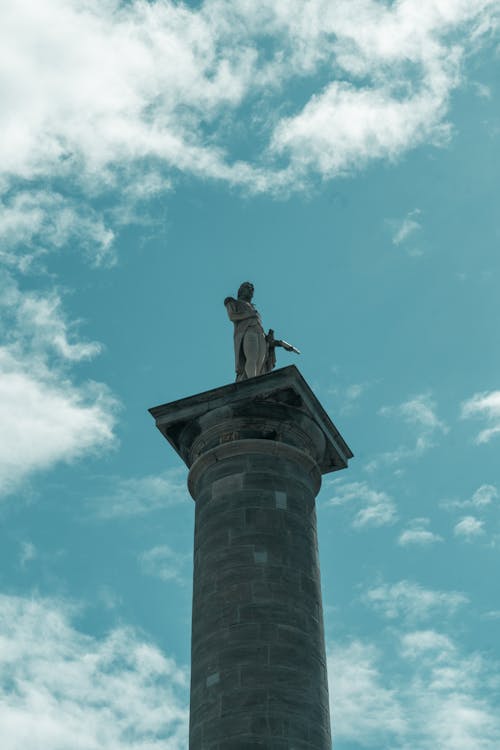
469 527
402 48
105 85
136 496
37 322
418 534
63 689
35 222
362 708
381 513
45 420
345 127
118 94
484 495
452 691
427 694
480 500
410 601
408 226
485 405
420 537
163 562
419 410
44 416
419 642
378 507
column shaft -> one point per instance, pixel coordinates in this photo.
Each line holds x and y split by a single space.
258 666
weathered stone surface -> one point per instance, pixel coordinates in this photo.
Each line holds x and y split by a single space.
256 451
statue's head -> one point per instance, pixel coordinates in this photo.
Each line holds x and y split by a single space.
245 291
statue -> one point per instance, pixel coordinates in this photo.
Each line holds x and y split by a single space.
254 351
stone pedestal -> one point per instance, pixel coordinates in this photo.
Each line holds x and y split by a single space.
256 451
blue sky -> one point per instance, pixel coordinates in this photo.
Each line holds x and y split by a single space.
345 158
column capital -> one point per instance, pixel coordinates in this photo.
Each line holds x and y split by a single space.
279 406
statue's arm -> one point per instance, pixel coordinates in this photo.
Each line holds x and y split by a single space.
235 312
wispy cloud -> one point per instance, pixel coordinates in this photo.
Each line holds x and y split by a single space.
481 499
374 705
136 496
482 90
418 534
27 554
164 563
61 688
484 495
448 688
405 229
347 397
377 507
469 527
36 322
419 642
412 602
33 223
420 411
407 226
354 391
485 405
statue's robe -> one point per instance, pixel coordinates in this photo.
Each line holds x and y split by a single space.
244 316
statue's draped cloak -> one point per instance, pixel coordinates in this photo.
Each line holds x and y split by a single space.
244 316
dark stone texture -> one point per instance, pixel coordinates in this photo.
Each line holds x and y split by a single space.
256 451
272 673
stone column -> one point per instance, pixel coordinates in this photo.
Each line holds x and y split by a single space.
256 451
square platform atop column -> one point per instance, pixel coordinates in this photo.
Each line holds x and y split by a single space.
283 386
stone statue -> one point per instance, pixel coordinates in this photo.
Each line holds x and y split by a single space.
253 349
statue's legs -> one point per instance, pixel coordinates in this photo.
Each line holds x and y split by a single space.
254 349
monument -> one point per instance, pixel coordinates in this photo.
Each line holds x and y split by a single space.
253 351
256 450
